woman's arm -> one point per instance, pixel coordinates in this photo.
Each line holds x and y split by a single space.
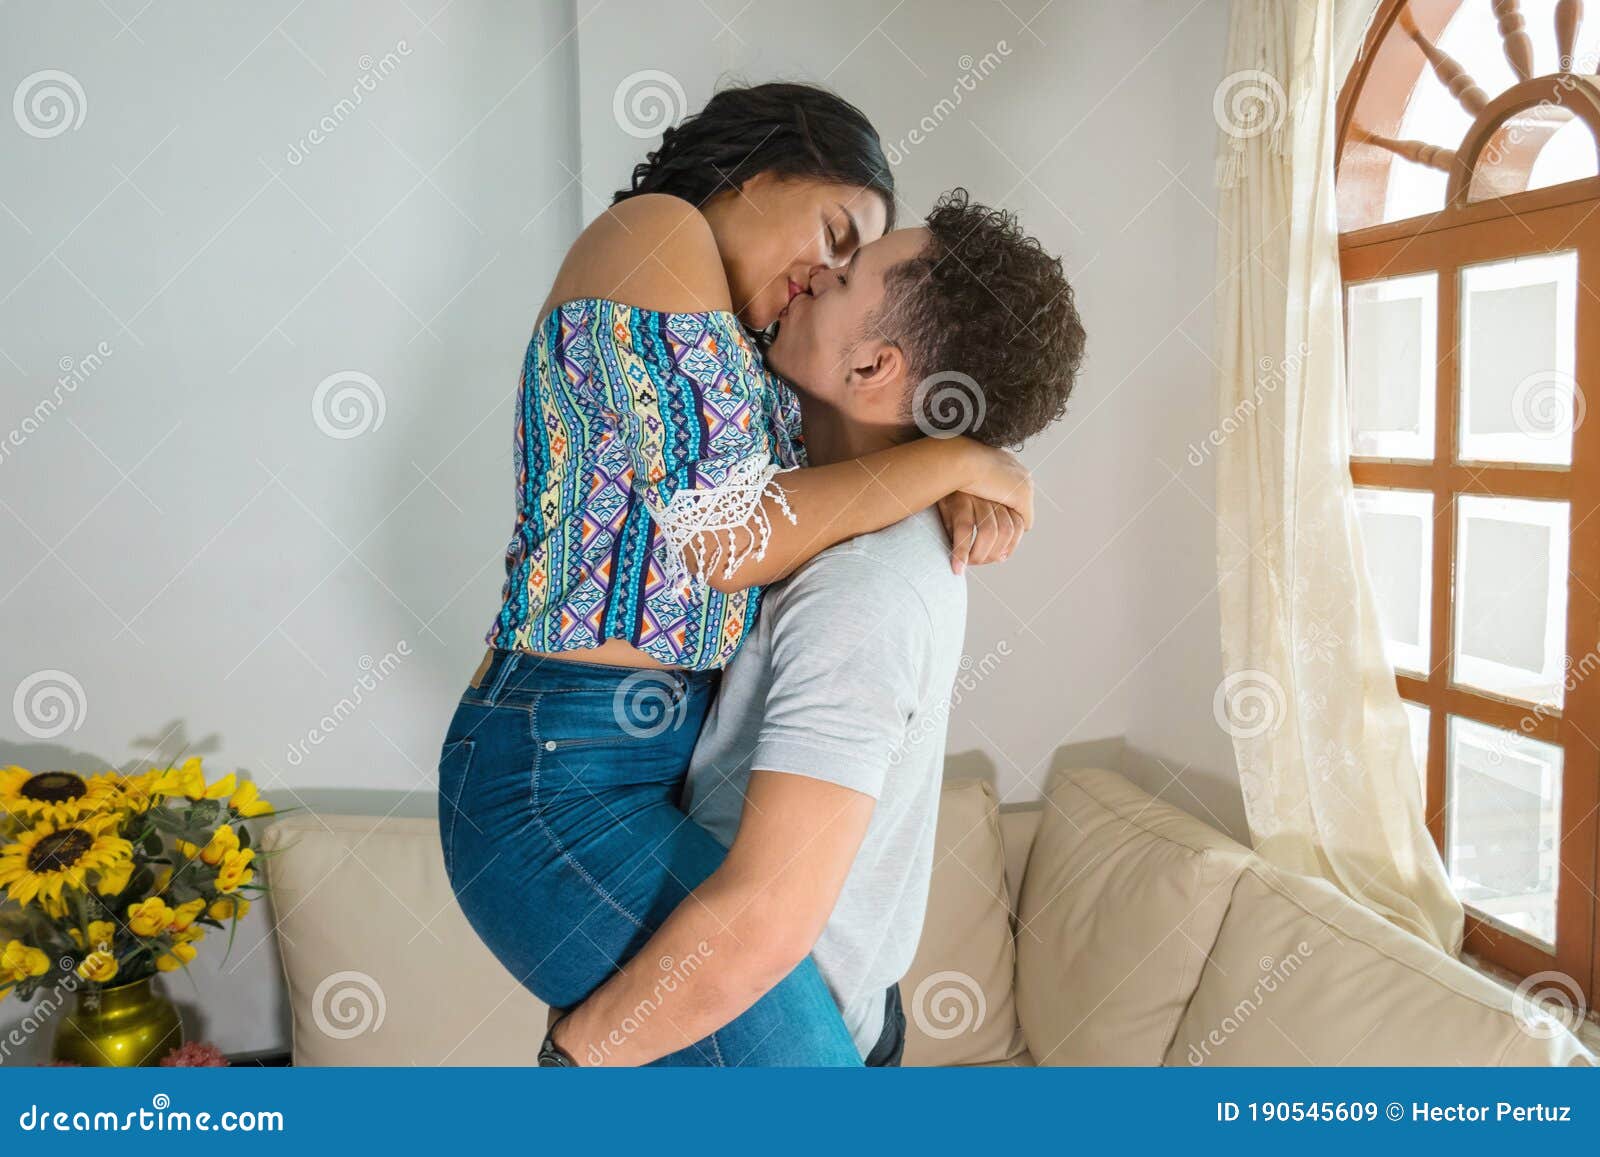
746 527
821 506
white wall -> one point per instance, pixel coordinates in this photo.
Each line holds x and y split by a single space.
180 536
1093 121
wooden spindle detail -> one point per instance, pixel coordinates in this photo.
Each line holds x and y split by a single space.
1449 71
1569 15
1514 38
1418 152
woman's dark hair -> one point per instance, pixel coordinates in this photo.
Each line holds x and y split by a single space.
789 130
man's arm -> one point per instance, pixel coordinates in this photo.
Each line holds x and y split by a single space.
736 935
849 647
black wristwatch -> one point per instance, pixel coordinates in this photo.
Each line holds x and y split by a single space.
552 1055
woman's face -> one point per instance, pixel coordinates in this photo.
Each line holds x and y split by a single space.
777 232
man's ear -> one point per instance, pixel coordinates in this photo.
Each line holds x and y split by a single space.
878 367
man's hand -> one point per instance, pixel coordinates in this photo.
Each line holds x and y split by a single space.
747 927
980 531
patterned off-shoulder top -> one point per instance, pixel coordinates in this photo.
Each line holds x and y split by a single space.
639 433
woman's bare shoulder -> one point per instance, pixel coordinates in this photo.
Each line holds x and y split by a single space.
652 251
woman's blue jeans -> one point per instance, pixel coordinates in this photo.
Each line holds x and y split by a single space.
566 848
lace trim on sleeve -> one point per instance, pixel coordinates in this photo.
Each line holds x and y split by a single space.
708 519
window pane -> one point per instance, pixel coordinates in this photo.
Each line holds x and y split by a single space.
1392 357
1417 717
1501 835
1518 392
1511 597
1540 146
1397 532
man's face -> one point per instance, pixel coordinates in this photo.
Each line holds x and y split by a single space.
825 341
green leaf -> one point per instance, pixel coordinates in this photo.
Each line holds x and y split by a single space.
166 820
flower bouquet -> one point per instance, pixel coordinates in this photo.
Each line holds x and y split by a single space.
112 878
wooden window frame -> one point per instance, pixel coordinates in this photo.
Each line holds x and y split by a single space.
1464 233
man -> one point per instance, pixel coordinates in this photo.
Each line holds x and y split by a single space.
820 764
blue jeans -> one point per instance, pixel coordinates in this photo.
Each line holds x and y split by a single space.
566 848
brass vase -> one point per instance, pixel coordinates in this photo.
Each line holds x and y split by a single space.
122 1026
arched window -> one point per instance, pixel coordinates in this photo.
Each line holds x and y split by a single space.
1470 249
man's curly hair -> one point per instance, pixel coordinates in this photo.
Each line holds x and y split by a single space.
987 321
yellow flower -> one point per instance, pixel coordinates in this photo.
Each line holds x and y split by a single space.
223 841
100 935
114 791
56 797
225 908
180 955
235 871
50 857
98 966
19 961
55 908
185 914
149 917
247 803
163 878
188 780
115 878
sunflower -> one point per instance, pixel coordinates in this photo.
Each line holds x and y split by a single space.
115 791
50 857
188 780
56 797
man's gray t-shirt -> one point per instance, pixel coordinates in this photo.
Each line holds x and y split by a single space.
847 678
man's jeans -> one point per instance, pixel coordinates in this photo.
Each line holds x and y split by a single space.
566 848
891 1046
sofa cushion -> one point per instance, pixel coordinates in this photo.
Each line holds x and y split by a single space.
1302 975
382 967
1018 827
1121 901
958 993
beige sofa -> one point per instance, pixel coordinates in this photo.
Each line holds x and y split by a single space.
1100 927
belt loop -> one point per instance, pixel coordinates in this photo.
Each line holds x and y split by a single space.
508 660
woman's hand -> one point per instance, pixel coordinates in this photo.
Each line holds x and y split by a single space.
980 531
999 477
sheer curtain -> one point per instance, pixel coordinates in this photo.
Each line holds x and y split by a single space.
1330 785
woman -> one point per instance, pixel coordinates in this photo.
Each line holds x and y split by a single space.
650 512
